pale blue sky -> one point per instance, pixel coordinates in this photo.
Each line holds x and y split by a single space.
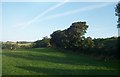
30 21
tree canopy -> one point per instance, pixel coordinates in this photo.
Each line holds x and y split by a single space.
72 37
45 42
117 9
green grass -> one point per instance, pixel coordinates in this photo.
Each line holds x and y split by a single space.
47 61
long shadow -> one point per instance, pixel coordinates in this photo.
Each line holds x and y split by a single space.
56 71
62 60
47 58
41 49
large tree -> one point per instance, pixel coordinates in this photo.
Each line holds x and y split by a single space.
117 9
55 41
76 34
70 38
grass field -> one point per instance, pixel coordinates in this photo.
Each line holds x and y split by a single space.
47 61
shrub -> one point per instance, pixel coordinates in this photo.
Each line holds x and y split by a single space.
10 46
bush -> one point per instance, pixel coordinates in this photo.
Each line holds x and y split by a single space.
45 42
26 46
14 46
10 46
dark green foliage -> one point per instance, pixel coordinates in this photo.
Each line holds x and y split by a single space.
117 9
71 38
88 43
106 47
45 42
75 34
56 38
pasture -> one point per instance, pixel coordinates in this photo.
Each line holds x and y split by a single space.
48 61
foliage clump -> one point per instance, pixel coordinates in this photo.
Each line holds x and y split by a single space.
117 9
72 38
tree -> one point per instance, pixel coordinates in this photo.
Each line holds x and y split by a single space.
55 41
70 38
45 42
117 9
10 46
88 43
76 33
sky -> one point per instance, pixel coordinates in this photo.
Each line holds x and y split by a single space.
31 21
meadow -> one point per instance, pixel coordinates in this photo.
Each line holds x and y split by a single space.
49 61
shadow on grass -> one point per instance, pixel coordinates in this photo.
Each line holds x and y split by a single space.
62 60
56 71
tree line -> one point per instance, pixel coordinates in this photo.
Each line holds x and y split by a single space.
73 39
